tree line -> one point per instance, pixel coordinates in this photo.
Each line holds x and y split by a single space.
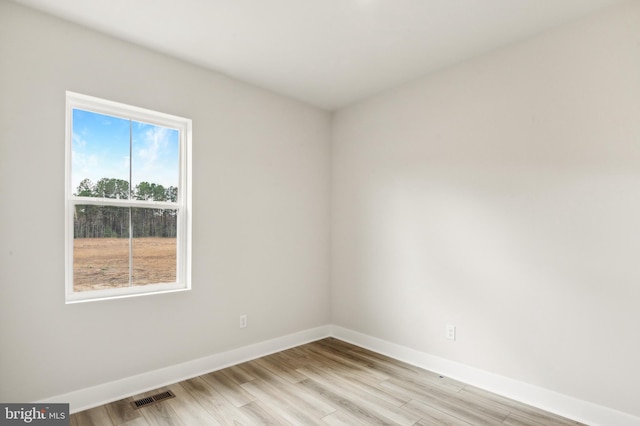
94 221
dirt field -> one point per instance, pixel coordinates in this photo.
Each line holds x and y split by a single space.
101 263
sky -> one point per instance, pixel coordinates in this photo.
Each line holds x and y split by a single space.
101 149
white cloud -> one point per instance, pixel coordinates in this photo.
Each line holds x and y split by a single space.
155 139
78 142
155 160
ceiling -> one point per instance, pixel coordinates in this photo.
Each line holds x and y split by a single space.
328 53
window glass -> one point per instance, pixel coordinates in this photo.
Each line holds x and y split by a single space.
100 247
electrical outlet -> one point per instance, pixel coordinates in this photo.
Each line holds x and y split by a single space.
451 332
243 321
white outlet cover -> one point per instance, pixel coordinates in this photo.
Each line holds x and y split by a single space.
451 332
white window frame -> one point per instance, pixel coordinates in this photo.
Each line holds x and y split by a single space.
183 205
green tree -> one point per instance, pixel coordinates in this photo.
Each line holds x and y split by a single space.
112 188
85 189
95 221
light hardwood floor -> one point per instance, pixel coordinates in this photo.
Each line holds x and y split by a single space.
328 382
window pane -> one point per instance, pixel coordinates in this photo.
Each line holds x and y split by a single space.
100 247
99 155
155 162
154 245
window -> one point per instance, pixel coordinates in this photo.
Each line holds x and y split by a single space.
128 200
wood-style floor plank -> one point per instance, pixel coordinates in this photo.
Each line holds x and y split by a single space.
122 411
219 408
518 409
285 390
515 420
277 366
95 416
369 400
345 404
432 416
280 403
238 375
189 407
448 403
339 418
73 421
328 382
139 421
261 414
228 388
331 359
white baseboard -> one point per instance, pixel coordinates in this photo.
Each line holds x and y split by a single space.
563 405
84 399
566 406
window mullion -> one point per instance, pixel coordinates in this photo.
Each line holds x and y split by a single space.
130 212
130 248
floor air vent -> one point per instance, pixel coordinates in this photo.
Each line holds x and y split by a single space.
153 399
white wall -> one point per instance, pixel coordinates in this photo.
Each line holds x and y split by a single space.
260 210
503 196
